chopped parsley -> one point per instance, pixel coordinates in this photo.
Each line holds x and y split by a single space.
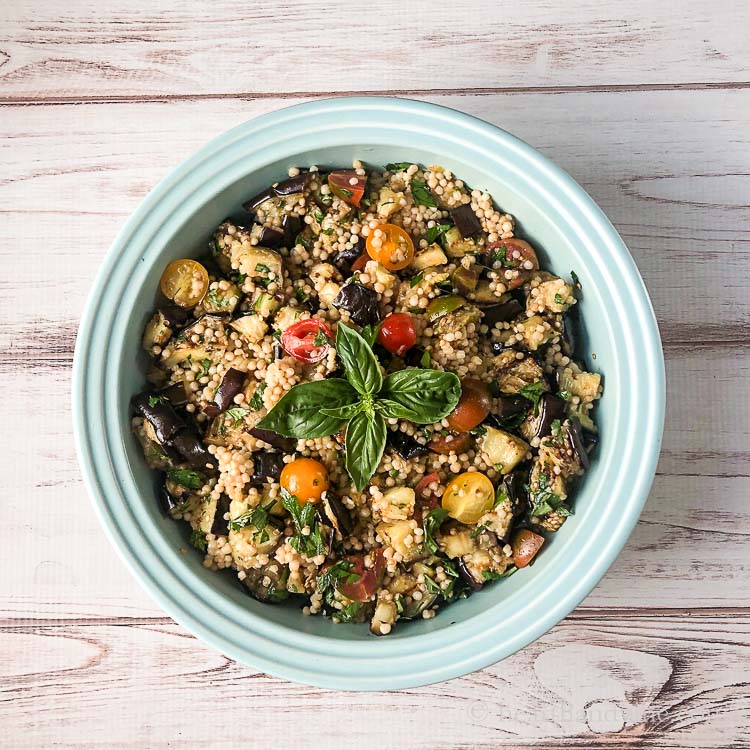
258 517
299 293
432 522
544 501
432 587
206 365
576 280
155 400
339 572
478 431
256 402
312 544
398 166
216 299
262 268
422 196
564 395
318 214
416 310
345 192
320 338
350 613
493 575
559 299
237 414
186 477
479 529
414 280
198 540
555 427
301 240
533 392
500 496
434 232
328 231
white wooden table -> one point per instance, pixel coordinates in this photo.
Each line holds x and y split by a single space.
647 104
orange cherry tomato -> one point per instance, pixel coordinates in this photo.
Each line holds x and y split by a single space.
347 185
391 246
185 282
525 545
306 479
472 408
369 579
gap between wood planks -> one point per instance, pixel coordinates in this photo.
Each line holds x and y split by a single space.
479 91
582 614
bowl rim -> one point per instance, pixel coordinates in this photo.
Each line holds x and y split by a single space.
380 665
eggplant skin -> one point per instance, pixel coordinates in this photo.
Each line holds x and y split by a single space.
501 313
267 467
273 438
360 302
345 258
220 525
192 450
466 221
231 385
576 442
292 226
160 415
405 445
467 575
551 407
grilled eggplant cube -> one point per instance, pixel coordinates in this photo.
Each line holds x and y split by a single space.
457 246
585 385
430 257
251 327
220 301
503 450
157 332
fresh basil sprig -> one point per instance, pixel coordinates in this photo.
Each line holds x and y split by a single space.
363 401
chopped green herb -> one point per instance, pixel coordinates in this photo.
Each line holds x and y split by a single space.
445 286
533 392
478 431
345 192
206 365
349 613
198 540
398 166
339 572
154 400
416 310
493 575
555 427
432 522
426 359
544 501
416 280
328 231
217 299
312 544
398 600
320 338
422 196
576 280
318 214
301 296
434 232
238 278
262 268
237 414
559 299
432 587
256 402
564 395
500 496
257 517
186 477
479 529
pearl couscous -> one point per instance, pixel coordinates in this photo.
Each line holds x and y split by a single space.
364 397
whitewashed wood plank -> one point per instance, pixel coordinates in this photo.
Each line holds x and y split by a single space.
689 550
673 182
592 682
106 49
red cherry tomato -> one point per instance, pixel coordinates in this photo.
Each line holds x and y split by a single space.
398 334
525 545
450 443
347 185
307 340
426 500
473 406
369 579
514 254
361 262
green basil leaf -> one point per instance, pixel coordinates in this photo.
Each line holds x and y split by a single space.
434 232
398 166
360 364
344 412
298 414
389 409
428 395
365 443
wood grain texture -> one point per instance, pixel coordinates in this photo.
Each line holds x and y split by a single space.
114 49
595 681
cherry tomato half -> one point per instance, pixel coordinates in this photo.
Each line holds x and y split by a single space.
525 544
517 255
347 185
185 282
391 246
361 262
472 408
307 340
397 333
451 443
306 479
468 497
369 579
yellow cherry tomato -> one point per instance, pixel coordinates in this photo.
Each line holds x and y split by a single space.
185 282
390 246
306 479
468 497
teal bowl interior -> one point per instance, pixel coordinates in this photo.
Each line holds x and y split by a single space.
617 328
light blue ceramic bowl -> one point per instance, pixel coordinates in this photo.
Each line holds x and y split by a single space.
176 220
